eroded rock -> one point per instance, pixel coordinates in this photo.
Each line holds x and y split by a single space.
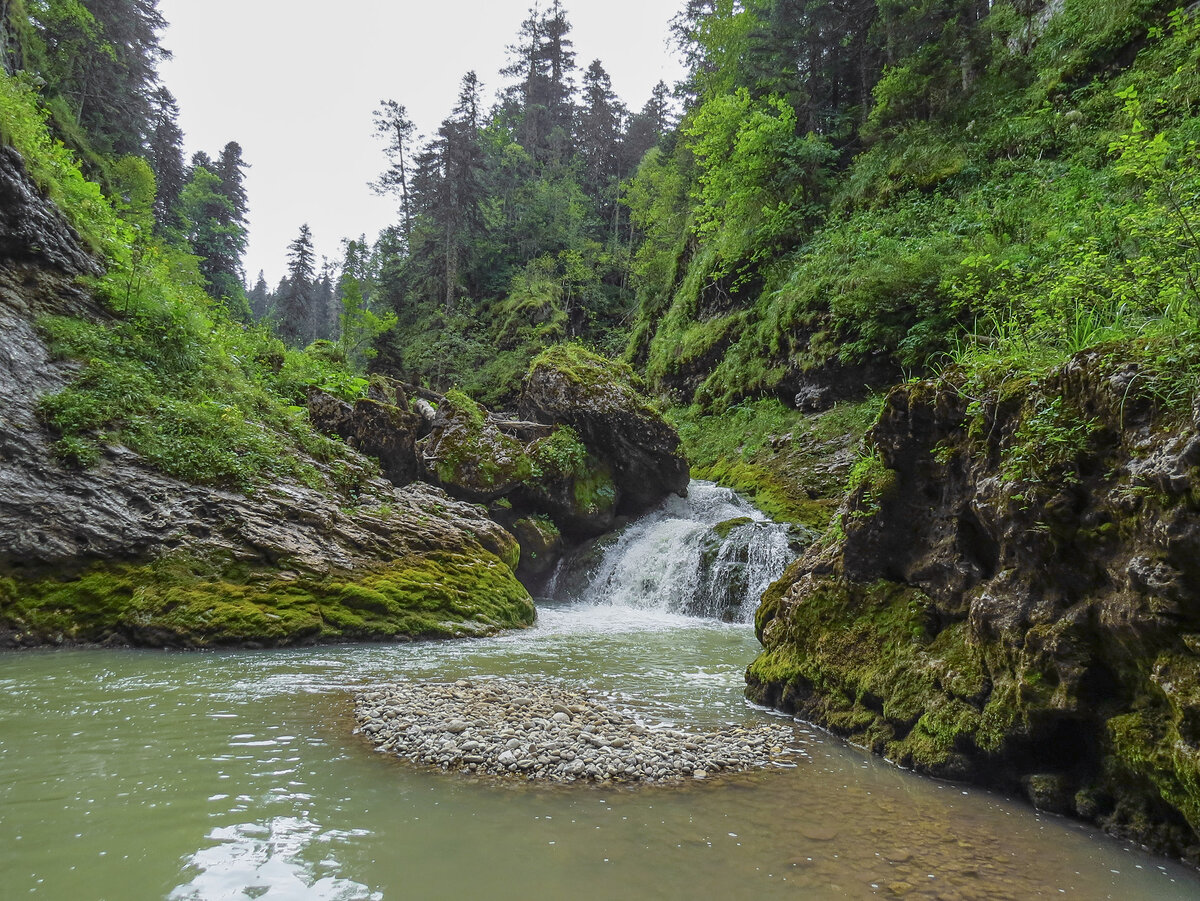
1009 597
597 398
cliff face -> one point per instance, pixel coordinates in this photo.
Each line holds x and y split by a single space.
1011 594
120 553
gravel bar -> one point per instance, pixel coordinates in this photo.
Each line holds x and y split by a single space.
544 732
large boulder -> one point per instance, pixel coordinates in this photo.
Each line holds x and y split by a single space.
597 398
468 455
373 426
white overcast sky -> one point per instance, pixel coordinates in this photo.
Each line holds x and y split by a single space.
295 82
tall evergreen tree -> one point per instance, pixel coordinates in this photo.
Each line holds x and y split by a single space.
165 155
393 125
261 302
598 136
295 301
230 168
101 59
648 127
542 101
211 213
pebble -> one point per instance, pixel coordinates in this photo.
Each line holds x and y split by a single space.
545 732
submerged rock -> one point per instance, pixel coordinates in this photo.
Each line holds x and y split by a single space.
544 732
1011 594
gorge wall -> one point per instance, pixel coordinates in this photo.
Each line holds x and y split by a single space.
1010 594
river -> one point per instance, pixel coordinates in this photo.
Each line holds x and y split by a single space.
130 775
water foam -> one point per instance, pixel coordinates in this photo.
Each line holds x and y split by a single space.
709 555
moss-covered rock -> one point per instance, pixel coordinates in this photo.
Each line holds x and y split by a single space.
541 546
182 601
380 426
1010 593
794 466
469 456
570 484
599 399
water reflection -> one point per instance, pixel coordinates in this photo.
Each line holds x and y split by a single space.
256 860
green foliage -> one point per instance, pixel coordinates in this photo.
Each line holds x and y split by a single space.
360 327
774 455
169 374
1021 190
758 182
1049 438
55 169
561 455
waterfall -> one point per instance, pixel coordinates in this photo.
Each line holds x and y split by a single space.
710 554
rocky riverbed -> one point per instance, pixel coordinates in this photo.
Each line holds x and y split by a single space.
544 732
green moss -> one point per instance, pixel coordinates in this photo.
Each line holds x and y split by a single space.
722 529
870 484
772 492
786 462
476 457
864 660
596 378
1156 741
185 602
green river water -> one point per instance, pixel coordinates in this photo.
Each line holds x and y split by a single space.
148 775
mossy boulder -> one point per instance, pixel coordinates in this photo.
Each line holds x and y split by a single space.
541 546
600 400
1010 593
570 484
375 425
469 456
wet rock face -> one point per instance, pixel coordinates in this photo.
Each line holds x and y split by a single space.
32 230
594 396
543 732
1013 596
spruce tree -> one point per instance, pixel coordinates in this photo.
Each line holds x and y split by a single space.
598 136
165 155
295 302
393 125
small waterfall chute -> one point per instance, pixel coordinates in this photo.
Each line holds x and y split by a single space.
710 554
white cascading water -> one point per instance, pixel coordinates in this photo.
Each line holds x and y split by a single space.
710 554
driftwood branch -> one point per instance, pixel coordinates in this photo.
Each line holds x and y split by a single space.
521 429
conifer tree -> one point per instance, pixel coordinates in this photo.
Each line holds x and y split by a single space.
393 125
295 301
209 223
261 302
598 136
165 155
